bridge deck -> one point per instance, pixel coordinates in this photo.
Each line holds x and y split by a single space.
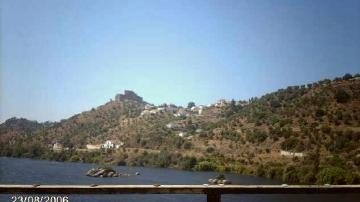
213 192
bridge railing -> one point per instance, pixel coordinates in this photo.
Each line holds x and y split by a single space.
213 192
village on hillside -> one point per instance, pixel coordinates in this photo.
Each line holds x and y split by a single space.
179 112
179 126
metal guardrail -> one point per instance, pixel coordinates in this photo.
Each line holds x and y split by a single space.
213 192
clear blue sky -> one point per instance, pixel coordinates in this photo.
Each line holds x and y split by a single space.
59 58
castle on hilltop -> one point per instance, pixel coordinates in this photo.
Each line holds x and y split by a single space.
128 95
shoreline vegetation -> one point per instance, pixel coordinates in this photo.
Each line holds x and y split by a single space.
308 134
335 173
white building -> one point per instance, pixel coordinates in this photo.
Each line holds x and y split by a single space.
152 110
222 103
171 108
93 146
198 109
145 112
292 154
171 125
182 134
149 106
181 113
58 147
110 145
159 109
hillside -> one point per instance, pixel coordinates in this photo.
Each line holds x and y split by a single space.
300 134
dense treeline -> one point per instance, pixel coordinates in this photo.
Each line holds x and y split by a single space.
333 171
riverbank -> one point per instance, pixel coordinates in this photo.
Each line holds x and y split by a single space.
284 171
163 159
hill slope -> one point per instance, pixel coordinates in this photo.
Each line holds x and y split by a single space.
306 134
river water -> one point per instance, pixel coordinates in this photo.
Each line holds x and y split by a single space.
28 171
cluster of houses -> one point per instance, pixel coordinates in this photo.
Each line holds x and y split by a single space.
175 110
107 145
182 112
151 109
223 103
291 154
179 111
175 125
59 147
180 127
198 109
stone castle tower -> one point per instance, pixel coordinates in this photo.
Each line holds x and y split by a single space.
128 95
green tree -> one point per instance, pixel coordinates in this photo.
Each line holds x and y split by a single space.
289 143
290 174
342 96
231 109
74 158
188 163
347 76
331 175
191 104
205 166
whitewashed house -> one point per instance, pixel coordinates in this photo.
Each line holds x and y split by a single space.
222 103
110 145
198 109
159 109
149 106
171 108
58 147
154 111
145 112
171 125
182 134
93 146
181 113
291 154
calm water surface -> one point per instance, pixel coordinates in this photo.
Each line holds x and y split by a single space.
27 171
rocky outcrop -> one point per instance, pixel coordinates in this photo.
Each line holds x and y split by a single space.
102 172
106 172
219 181
128 95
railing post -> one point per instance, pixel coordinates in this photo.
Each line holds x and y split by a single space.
213 197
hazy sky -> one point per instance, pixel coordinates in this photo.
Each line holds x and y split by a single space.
59 58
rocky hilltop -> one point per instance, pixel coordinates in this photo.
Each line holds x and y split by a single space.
301 134
128 95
